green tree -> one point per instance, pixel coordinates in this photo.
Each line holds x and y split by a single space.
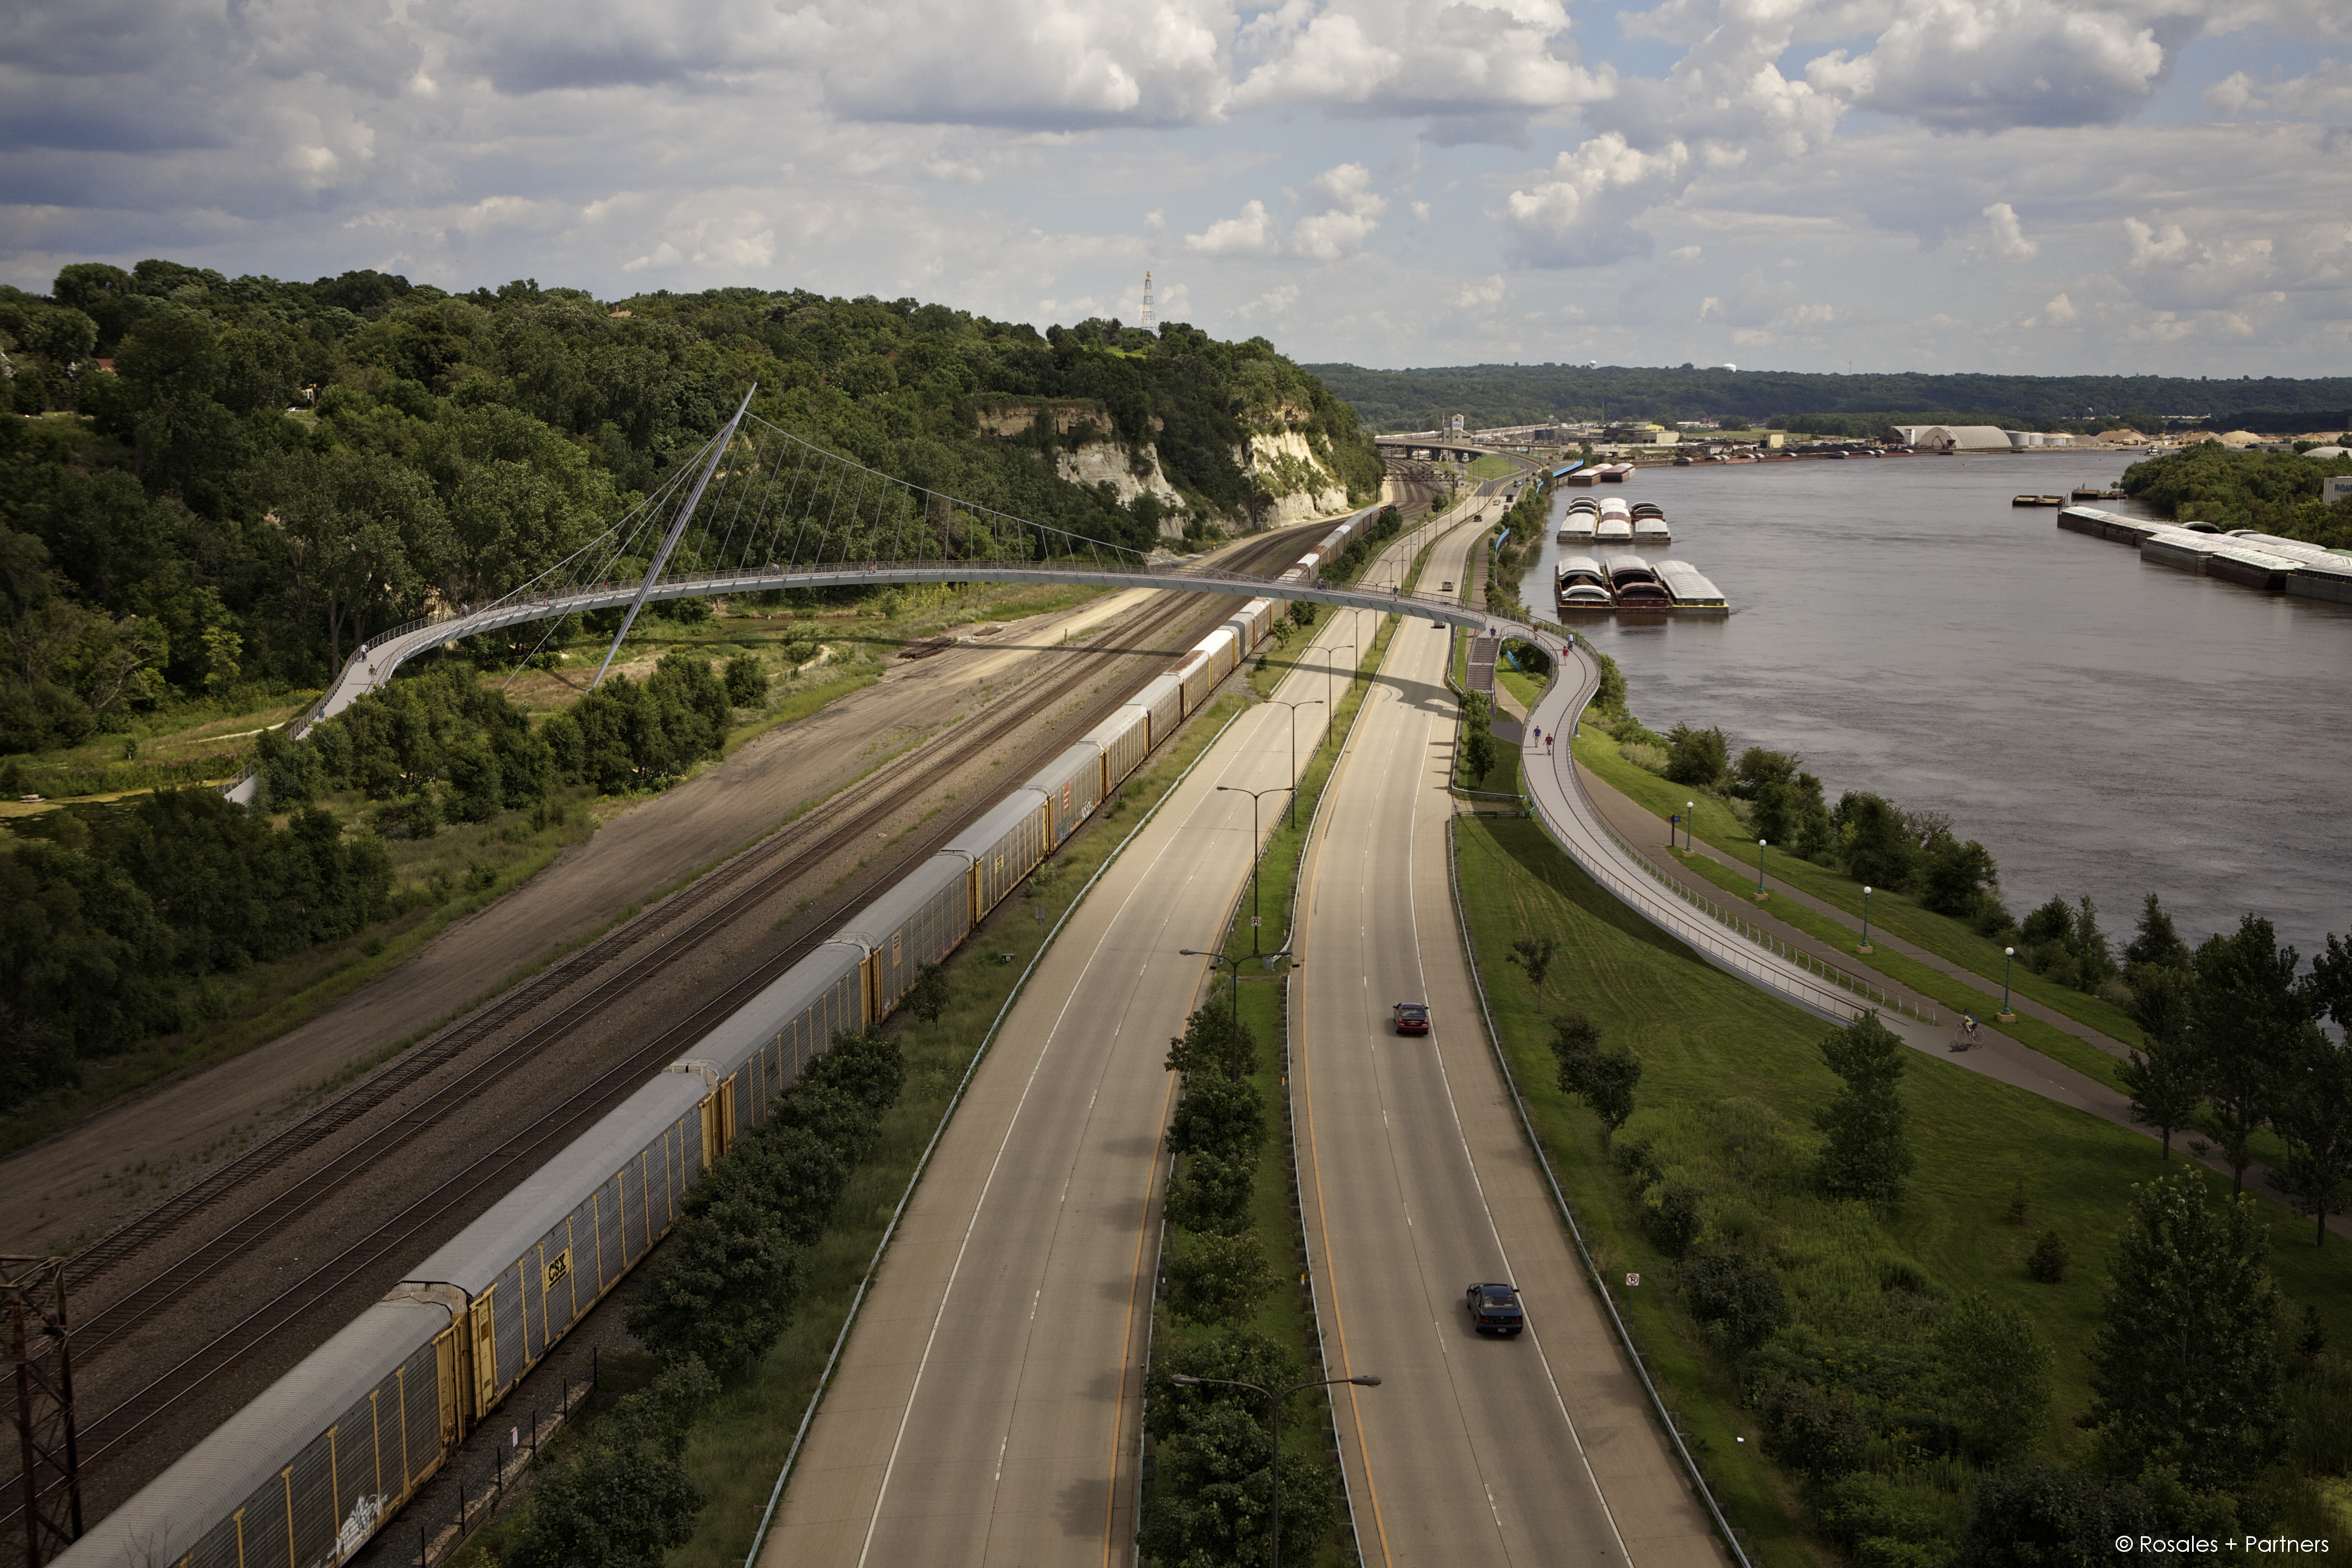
2185 1369
1533 954
2312 1111
621 1499
1868 1154
1955 878
2246 1016
2036 1514
928 997
2154 943
722 1289
747 681
1210 1043
1211 1194
2166 1076
1220 1279
1873 843
1603 1079
1215 1492
1219 1115
1700 757
1995 1376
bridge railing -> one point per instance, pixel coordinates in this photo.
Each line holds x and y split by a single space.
1852 984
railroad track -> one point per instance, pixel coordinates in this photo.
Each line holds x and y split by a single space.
674 929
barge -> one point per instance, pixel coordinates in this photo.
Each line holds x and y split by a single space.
1578 584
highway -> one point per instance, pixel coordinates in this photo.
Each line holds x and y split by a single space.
1416 1182
987 1409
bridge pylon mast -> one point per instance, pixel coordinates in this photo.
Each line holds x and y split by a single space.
676 527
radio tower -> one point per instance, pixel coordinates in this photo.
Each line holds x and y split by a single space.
1147 301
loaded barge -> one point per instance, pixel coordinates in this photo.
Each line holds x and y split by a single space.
2255 560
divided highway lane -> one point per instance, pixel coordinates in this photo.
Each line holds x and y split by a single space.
1417 1182
987 1408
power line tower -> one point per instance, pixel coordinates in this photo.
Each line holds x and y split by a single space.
1147 301
34 1291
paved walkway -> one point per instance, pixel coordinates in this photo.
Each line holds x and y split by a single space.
1563 792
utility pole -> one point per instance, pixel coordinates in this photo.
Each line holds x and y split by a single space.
34 1290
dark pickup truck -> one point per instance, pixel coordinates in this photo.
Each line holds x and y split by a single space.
1494 1310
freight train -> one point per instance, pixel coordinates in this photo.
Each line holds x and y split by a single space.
303 1476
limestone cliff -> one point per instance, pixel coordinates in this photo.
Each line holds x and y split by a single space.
1295 479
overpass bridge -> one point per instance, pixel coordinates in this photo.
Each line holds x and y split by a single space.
761 509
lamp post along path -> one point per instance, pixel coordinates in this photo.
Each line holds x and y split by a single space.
2008 958
1865 946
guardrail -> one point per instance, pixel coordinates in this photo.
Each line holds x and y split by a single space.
1576 1232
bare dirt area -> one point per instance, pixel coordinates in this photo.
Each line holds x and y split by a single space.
201 1308
61 1192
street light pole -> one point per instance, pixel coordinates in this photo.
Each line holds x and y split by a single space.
1234 1065
1690 810
1295 706
1274 1467
2008 958
1865 946
1255 857
1760 894
1327 675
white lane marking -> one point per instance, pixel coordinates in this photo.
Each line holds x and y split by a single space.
930 1341
1412 915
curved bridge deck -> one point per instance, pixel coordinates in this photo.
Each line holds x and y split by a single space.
371 667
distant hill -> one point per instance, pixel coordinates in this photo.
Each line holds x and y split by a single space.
1488 395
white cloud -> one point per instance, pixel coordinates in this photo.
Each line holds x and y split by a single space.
2009 241
1578 212
2059 312
1343 228
1485 67
2322 94
1481 295
1989 65
1251 234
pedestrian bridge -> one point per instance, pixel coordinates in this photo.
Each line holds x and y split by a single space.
761 507
372 665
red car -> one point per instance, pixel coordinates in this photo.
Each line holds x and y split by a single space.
1411 1019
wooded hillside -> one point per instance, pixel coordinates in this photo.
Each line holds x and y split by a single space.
223 485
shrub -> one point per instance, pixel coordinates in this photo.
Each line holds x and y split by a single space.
2049 1260
747 681
1737 1294
1674 1221
1700 757
1813 1431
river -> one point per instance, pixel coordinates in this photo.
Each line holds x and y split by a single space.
2101 726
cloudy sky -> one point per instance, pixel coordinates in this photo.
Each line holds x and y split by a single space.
2047 185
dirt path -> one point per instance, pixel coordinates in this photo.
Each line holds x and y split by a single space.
110 1168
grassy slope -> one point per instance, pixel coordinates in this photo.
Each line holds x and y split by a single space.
1730 1080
